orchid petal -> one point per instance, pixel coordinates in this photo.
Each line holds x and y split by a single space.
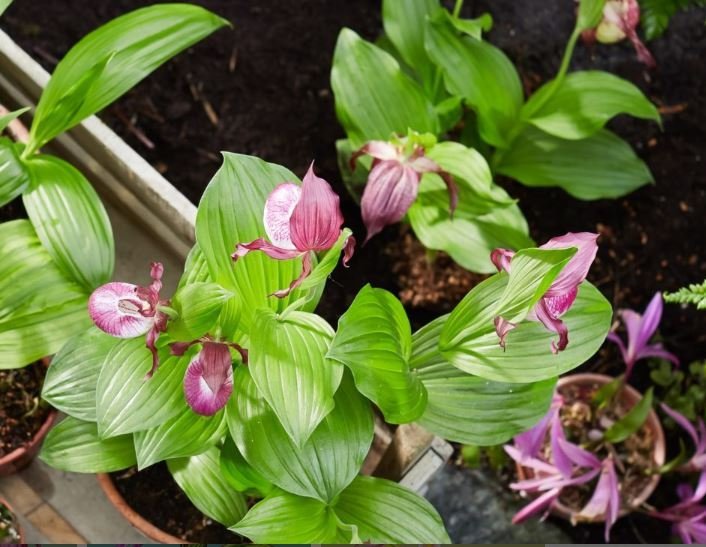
348 250
544 315
559 456
613 337
605 500
266 247
306 270
422 164
537 505
531 463
656 350
575 272
650 319
502 328
633 326
577 455
501 259
530 442
279 207
380 150
682 421
390 191
115 308
317 219
208 382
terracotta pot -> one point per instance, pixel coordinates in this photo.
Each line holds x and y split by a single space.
134 518
16 523
21 457
629 396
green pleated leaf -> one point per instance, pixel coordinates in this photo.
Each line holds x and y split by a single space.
386 512
480 73
70 384
201 480
186 434
116 56
329 460
74 445
584 102
509 296
318 276
195 268
468 409
600 166
404 24
127 401
34 323
374 341
13 176
287 361
230 212
70 221
240 474
473 27
527 356
199 306
286 518
374 97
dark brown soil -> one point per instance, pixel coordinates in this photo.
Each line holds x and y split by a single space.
154 495
22 411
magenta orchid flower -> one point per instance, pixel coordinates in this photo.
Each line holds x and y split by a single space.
563 291
393 182
688 516
620 21
299 221
698 436
605 500
125 310
640 329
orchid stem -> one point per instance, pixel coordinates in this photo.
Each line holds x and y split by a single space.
457 8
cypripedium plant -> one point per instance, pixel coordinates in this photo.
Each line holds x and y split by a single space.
258 397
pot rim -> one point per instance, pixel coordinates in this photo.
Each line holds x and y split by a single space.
17 525
133 517
658 453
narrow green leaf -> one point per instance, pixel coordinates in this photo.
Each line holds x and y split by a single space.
288 365
70 384
374 341
4 4
186 434
10 116
74 445
286 518
135 44
386 512
374 97
584 102
70 221
632 421
25 311
469 409
473 27
527 356
201 480
240 474
326 464
606 392
199 306
480 73
128 401
230 212
600 166
13 177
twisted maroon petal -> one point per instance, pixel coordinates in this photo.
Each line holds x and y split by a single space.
306 270
266 247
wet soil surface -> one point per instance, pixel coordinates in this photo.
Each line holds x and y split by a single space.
153 494
263 89
22 411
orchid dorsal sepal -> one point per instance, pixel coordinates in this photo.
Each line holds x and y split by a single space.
299 222
125 310
393 182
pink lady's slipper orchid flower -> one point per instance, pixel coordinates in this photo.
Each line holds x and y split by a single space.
208 382
125 310
688 517
299 221
620 20
393 182
563 291
640 329
698 436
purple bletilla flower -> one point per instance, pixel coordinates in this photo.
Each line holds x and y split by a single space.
688 516
620 21
640 329
393 182
208 382
563 291
605 501
698 436
125 310
299 221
